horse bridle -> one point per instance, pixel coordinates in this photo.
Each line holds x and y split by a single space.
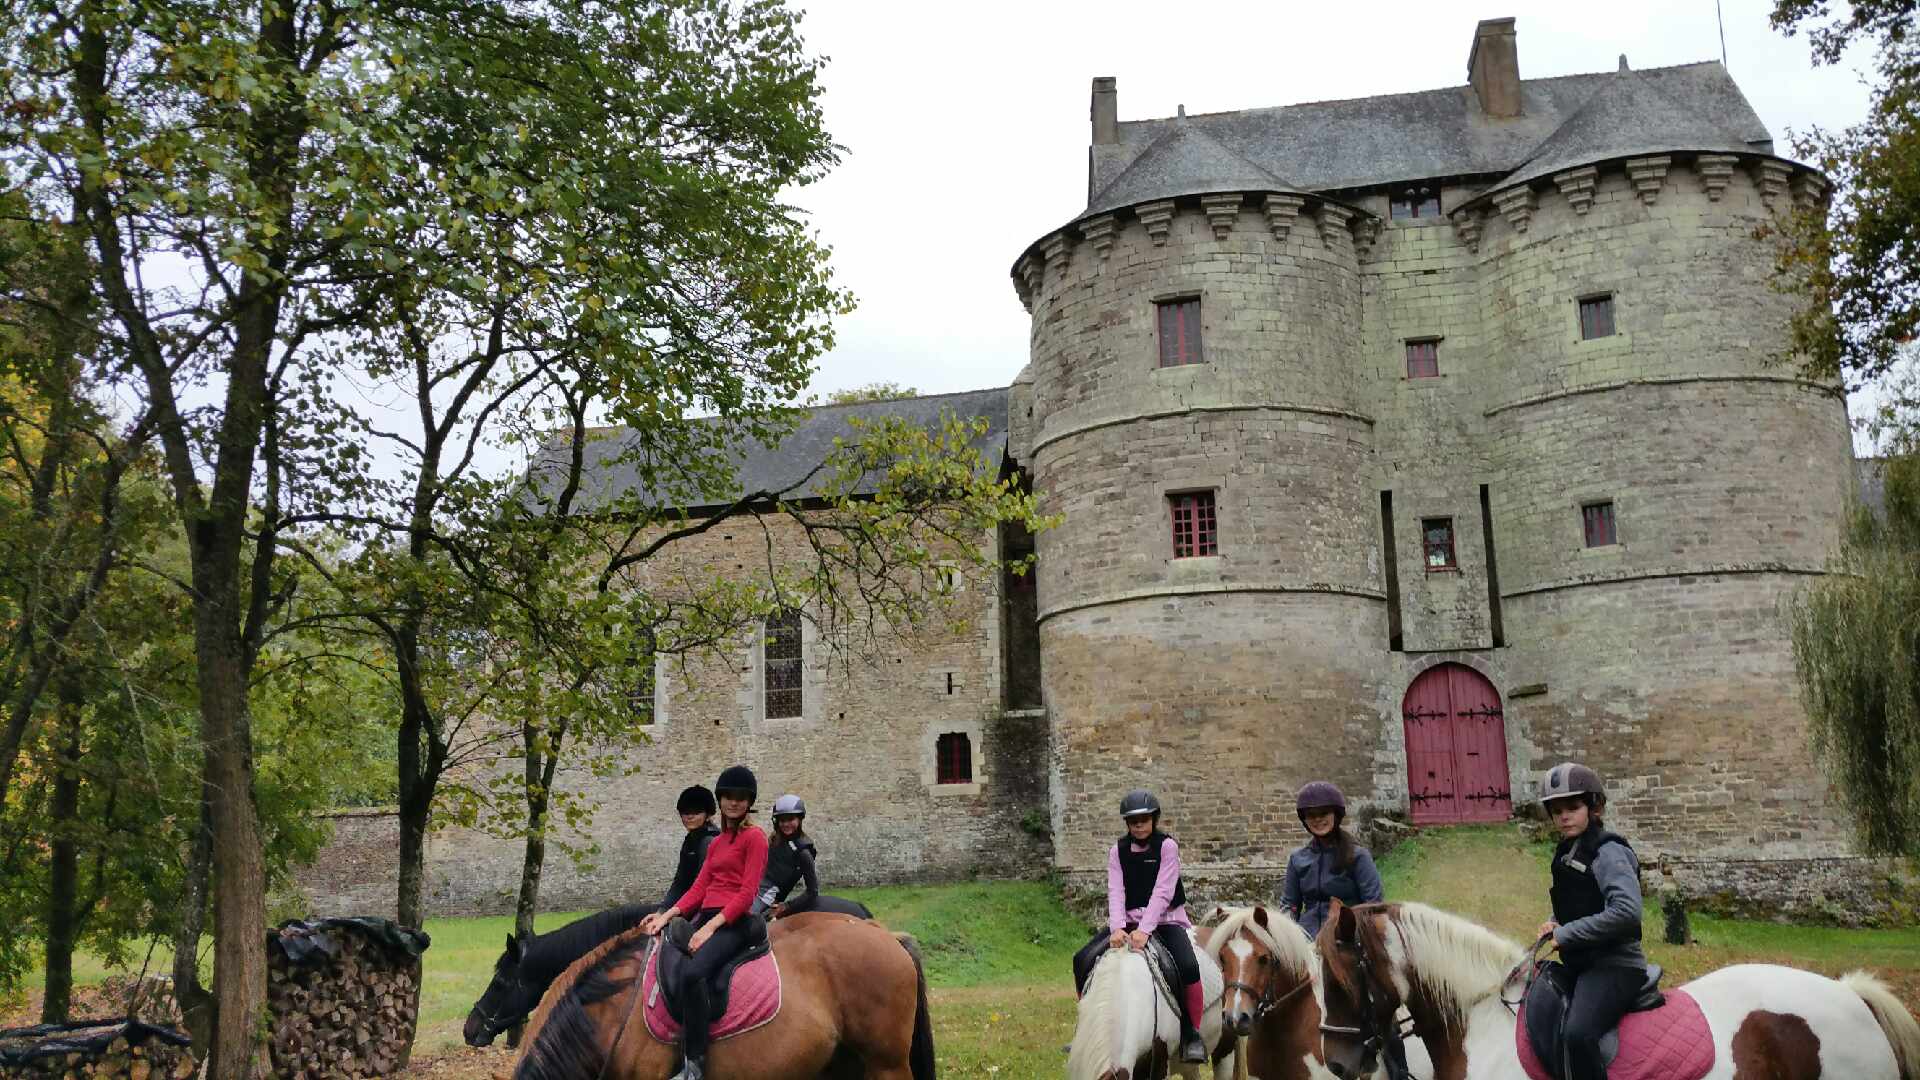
494 1026
1264 1002
1388 1047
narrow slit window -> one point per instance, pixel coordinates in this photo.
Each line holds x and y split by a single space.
1598 521
783 662
1437 538
1423 359
1596 317
1414 202
1194 526
640 684
955 753
1179 332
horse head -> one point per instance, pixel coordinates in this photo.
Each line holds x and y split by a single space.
1266 964
507 1000
1360 989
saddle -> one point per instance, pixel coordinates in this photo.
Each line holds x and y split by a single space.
674 959
1660 1037
1095 948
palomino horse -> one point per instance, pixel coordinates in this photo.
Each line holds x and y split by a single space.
853 1007
1128 1029
1268 968
530 965
1766 1021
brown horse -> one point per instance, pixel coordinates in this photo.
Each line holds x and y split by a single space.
1269 968
853 1007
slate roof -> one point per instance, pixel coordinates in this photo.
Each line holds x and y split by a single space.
1366 142
1183 160
758 466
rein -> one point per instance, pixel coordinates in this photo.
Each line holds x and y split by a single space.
1264 1002
1388 1047
1531 964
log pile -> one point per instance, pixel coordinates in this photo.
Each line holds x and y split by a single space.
106 1049
342 1000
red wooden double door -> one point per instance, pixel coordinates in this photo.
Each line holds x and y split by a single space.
1456 748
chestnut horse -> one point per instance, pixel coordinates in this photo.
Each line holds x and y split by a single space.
1767 1021
853 1007
1269 969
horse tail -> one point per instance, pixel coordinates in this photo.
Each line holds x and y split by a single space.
1901 1029
920 1055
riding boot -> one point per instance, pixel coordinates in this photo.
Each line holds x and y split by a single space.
1193 1049
695 1007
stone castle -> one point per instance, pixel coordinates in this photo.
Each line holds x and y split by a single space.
1414 442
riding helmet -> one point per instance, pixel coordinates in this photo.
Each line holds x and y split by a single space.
738 778
1137 802
1568 779
696 800
1321 795
789 806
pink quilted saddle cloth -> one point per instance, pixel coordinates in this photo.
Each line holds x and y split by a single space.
1671 1042
753 1001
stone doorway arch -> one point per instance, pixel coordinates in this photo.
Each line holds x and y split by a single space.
1456 748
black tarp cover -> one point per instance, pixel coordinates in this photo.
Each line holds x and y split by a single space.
309 941
20 1046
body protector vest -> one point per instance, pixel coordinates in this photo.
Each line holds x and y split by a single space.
1576 892
1140 869
783 868
693 852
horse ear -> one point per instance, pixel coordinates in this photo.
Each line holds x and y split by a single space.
513 948
1341 916
1260 916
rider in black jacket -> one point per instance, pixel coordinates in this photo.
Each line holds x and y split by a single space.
789 863
697 809
1596 915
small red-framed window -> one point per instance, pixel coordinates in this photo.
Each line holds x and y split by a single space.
1596 317
954 752
1597 520
1179 328
1195 530
1423 358
1436 540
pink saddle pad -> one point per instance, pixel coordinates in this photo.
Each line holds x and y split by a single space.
1671 1042
753 1000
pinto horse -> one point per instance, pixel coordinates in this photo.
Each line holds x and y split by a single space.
530 965
1127 1028
1268 969
853 1007
1766 1021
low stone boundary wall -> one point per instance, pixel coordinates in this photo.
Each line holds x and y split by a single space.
1844 891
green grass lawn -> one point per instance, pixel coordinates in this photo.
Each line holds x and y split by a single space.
997 952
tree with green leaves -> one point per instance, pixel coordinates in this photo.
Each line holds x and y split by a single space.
873 391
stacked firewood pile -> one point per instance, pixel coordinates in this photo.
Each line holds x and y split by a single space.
109 1049
343 995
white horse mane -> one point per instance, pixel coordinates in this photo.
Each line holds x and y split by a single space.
1290 945
1457 961
1092 1047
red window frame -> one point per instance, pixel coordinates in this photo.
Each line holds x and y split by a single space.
1423 358
953 757
782 655
1179 330
1597 520
1436 544
1596 317
1195 526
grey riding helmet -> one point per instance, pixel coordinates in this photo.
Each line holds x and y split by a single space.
1139 802
789 805
1569 779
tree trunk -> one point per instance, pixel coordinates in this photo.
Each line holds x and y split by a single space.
239 863
63 879
535 856
196 1005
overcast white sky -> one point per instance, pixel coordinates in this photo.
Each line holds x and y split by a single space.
966 125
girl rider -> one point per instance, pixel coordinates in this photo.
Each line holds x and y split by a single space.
721 894
789 862
1596 916
1331 863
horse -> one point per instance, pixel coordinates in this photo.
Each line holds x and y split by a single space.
1127 1029
1766 1020
531 964
1268 968
853 1007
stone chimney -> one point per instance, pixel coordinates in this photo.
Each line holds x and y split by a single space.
1106 110
1493 67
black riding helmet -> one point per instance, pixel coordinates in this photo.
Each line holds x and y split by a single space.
696 800
737 778
1137 802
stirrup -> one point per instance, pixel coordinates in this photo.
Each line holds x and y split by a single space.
1193 1049
691 1069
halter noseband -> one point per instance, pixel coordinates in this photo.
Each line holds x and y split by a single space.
1372 1040
1265 1002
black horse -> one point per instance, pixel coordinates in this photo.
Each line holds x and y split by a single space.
529 966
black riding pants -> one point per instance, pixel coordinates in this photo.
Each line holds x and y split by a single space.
696 1005
1601 996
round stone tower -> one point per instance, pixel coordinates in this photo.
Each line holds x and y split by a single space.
1423 473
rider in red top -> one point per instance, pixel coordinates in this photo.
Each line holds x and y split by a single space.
721 897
